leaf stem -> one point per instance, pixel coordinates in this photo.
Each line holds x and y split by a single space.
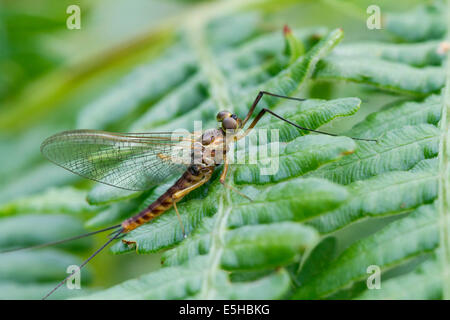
444 176
218 243
218 84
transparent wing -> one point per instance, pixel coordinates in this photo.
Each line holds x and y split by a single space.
132 161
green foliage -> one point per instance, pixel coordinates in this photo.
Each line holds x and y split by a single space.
401 240
383 74
334 207
422 23
62 200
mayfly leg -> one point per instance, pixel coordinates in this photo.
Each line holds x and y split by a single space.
259 97
223 177
179 217
180 194
264 110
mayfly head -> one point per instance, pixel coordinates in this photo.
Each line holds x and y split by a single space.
229 121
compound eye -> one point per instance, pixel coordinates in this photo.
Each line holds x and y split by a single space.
229 124
223 115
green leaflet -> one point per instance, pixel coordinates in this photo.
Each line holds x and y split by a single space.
382 74
61 200
265 246
252 55
293 77
21 149
186 282
415 54
398 149
145 84
424 283
395 244
35 180
425 22
26 230
296 199
317 260
298 157
294 47
48 265
386 194
103 194
272 286
167 283
198 243
186 97
399 115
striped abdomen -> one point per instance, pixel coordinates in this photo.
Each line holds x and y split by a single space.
165 201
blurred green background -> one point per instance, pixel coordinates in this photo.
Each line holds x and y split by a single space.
49 74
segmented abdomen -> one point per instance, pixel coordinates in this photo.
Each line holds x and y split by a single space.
165 201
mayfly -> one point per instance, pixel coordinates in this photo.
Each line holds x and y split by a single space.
138 161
